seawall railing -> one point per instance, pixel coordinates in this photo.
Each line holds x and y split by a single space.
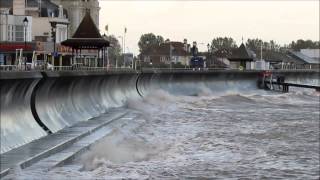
22 68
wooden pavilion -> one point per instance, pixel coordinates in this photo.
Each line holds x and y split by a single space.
87 37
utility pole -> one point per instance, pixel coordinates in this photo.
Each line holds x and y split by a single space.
261 51
122 51
124 44
170 47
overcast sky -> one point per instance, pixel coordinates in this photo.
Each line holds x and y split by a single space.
201 21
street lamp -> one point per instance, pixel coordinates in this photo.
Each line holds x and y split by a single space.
25 24
104 36
209 55
53 35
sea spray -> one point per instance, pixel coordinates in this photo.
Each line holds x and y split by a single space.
122 145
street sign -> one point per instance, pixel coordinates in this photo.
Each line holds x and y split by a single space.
55 54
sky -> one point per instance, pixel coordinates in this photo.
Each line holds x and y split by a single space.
201 21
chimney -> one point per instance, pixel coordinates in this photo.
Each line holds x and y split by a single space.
19 7
60 12
185 44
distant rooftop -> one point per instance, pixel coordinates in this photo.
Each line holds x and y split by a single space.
48 8
304 58
242 54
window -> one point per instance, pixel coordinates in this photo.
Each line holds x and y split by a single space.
9 33
19 33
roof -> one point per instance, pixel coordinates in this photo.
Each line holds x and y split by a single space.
87 36
273 56
177 49
241 53
304 58
6 3
87 28
47 7
224 52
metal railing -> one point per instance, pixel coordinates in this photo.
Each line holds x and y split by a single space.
113 69
9 68
62 68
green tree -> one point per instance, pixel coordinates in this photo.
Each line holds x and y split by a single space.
114 51
149 39
223 43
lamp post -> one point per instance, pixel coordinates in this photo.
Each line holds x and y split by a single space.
209 55
25 24
53 35
124 43
104 36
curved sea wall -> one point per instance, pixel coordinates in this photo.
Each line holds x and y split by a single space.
18 125
65 99
35 104
193 83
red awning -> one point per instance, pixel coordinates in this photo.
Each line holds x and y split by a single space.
12 47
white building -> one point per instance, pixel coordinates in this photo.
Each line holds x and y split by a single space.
42 29
12 28
77 9
39 14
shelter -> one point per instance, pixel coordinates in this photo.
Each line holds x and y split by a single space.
87 37
241 57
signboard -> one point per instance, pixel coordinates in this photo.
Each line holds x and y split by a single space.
56 54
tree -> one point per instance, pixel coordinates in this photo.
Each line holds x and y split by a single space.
114 52
149 39
223 43
255 44
304 44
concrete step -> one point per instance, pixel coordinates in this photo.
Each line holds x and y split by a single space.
33 152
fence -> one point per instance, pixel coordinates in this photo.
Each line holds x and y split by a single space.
108 69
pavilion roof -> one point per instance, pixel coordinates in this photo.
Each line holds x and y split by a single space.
240 54
87 36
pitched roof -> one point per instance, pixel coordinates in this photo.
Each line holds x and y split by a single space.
304 58
87 28
87 36
241 53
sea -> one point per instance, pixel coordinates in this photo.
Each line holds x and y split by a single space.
232 135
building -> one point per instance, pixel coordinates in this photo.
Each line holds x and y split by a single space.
219 58
166 53
48 26
15 33
311 53
308 58
77 9
242 58
87 37
128 59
